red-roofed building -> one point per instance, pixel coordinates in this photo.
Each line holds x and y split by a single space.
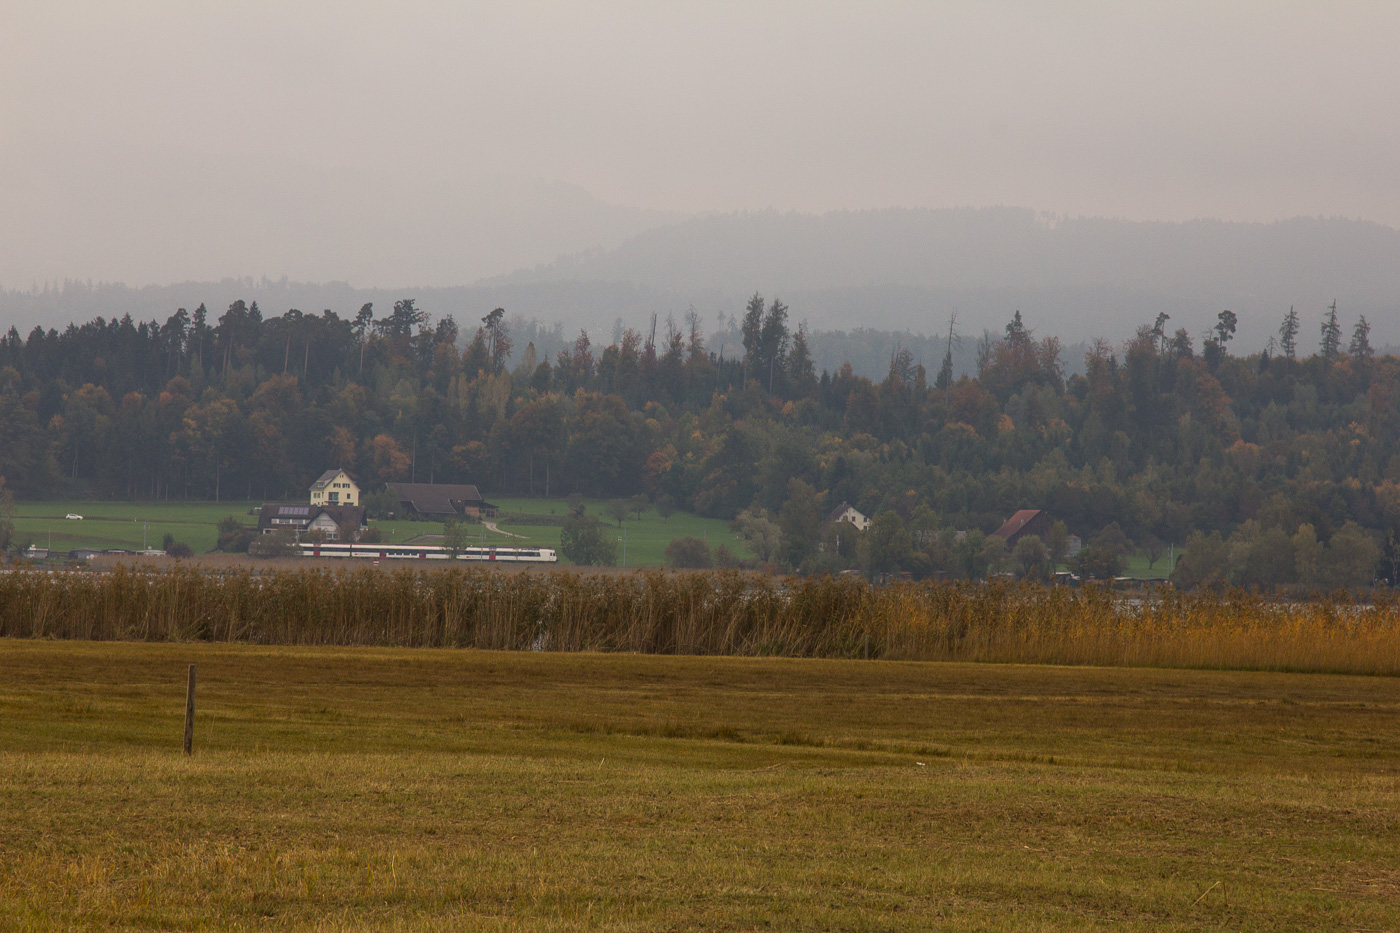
1023 523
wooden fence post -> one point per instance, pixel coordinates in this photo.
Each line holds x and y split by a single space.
189 713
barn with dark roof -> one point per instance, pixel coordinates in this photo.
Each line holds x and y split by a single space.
442 500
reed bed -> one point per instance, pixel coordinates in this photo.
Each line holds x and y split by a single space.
719 613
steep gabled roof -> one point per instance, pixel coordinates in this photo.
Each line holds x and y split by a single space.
326 478
1015 523
841 509
346 516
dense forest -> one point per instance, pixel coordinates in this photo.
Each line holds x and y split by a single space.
1279 467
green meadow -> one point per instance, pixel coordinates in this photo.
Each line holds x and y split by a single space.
121 525
646 537
366 789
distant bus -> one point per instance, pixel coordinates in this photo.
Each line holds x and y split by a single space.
513 555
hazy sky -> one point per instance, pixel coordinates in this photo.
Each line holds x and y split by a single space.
416 143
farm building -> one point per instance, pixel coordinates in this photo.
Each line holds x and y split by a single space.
335 487
845 512
336 523
441 500
1024 523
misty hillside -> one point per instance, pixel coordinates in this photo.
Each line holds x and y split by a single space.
888 271
549 315
1077 278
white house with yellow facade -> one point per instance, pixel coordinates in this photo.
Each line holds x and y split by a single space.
335 487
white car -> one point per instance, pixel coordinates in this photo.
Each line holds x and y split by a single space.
75 516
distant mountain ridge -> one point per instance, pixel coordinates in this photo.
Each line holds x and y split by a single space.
981 248
1066 273
892 270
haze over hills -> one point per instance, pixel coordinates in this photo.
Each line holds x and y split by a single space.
222 215
582 164
888 269
1076 278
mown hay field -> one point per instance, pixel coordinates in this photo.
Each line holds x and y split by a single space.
337 789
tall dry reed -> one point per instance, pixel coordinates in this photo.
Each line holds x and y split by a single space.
708 613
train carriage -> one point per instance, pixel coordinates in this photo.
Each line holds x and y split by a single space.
529 555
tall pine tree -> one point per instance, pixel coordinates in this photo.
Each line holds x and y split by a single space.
1288 334
1361 340
1331 333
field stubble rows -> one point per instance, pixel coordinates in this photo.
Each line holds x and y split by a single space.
356 789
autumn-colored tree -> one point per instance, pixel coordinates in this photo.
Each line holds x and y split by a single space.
387 459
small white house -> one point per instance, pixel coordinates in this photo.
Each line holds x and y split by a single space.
335 487
845 512
326 525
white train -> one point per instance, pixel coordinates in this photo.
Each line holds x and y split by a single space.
529 555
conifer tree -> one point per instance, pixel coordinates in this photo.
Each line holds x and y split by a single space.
752 330
1288 334
1331 333
1361 340
945 372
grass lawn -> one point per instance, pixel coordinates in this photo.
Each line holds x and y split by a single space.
375 789
647 537
119 525
1135 566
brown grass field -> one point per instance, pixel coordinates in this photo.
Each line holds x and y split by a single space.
337 789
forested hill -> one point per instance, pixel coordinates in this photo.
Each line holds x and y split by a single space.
1290 459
